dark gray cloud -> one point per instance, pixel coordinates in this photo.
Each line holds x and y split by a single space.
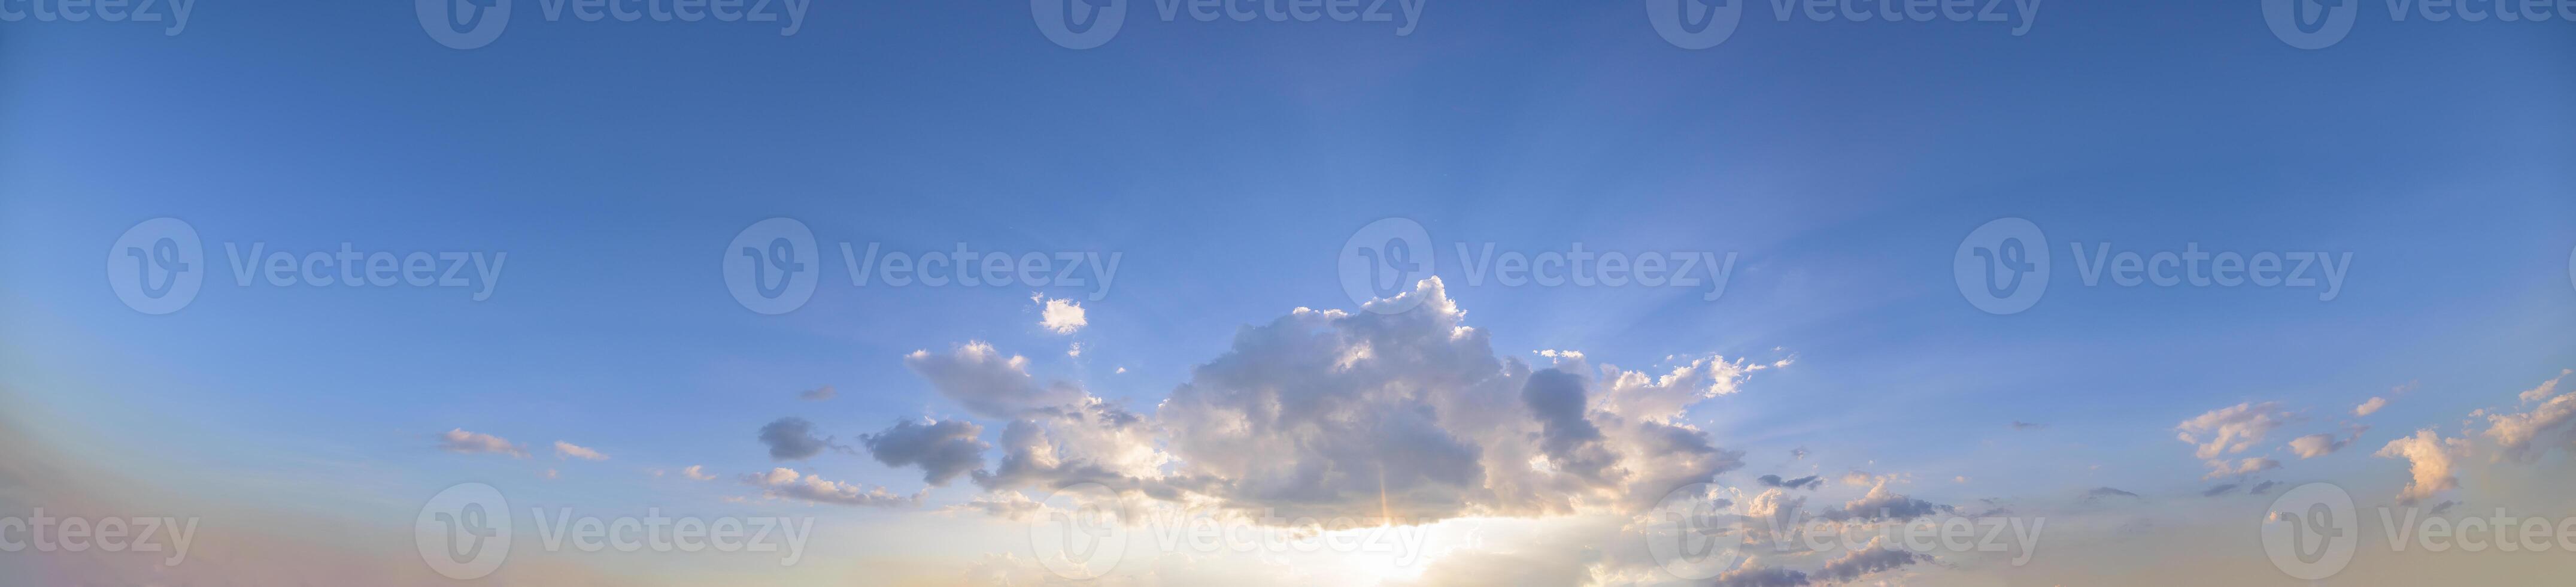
1807 482
2261 488
1555 398
1761 577
2103 492
792 439
1881 504
945 450
2219 489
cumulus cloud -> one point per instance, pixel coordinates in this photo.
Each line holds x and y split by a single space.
818 394
1753 574
792 439
460 441
698 473
783 483
1871 559
2431 460
943 449
2370 406
2546 388
565 450
2523 437
1412 415
1061 316
988 383
2318 445
2231 429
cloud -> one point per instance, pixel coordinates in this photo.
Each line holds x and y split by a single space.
944 450
2261 488
1874 558
1807 482
1751 574
2020 425
2231 429
818 394
2221 467
460 441
987 383
1798 454
2546 388
1881 504
2103 492
2318 445
1007 505
570 450
2430 460
2546 425
2220 489
1061 316
697 472
792 439
2370 406
783 483
1412 415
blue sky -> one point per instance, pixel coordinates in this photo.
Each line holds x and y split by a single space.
1228 163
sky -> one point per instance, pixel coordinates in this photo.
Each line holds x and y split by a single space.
607 207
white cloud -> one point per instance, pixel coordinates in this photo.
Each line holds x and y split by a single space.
2369 407
2222 468
988 383
460 441
697 472
2522 437
783 483
2431 461
570 450
2546 388
1061 316
2231 429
